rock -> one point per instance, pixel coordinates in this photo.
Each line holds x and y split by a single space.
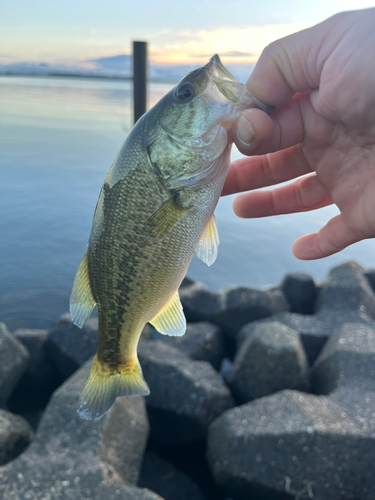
40 370
346 360
314 330
13 362
33 418
41 377
347 289
72 458
187 282
162 477
370 276
200 304
202 342
300 291
287 441
312 446
186 396
70 346
272 358
15 435
244 305
230 309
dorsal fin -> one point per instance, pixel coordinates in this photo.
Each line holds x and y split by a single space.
208 244
171 319
82 301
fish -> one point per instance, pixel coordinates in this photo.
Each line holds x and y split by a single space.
155 210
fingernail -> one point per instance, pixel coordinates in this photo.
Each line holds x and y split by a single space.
245 131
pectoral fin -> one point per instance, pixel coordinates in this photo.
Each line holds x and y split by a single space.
171 319
82 301
208 244
167 216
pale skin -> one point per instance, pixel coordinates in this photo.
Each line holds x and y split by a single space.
321 135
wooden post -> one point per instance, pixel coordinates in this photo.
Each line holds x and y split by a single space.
139 78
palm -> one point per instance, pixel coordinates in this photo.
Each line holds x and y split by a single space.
323 138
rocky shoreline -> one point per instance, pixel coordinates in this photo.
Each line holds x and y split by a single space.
269 395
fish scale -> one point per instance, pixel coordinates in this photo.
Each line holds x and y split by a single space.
154 211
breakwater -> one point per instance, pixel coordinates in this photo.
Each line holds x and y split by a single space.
270 394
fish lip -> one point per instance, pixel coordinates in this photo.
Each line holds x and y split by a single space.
222 73
210 66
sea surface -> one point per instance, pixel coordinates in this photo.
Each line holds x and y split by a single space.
58 138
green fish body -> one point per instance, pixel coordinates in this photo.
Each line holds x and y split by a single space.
155 210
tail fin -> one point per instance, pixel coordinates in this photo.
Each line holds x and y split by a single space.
103 387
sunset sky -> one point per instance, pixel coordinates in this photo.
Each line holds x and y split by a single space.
179 31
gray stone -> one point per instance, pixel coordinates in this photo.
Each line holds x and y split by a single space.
272 358
187 282
322 446
41 373
186 395
315 330
200 304
70 346
346 360
287 441
244 305
13 362
370 276
347 289
300 291
231 309
162 477
15 435
202 342
72 458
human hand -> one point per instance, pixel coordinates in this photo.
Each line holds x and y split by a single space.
322 81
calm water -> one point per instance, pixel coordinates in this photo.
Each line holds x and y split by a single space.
58 138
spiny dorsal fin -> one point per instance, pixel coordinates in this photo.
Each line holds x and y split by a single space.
82 301
171 319
209 241
167 215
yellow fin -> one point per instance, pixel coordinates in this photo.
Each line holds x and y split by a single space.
171 319
166 216
207 247
82 301
103 387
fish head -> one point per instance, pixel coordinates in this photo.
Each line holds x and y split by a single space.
206 97
196 116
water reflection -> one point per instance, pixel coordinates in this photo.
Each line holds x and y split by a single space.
58 137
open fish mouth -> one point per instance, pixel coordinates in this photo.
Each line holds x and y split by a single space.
231 87
216 68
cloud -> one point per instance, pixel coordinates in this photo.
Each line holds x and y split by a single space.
244 43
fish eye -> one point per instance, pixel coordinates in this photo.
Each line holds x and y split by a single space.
185 92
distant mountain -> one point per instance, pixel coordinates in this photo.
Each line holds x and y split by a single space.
119 66
122 63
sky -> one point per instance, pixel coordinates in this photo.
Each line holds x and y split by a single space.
178 31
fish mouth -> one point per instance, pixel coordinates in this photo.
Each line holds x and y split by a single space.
215 68
233 89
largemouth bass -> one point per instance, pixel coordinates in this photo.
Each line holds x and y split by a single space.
155 209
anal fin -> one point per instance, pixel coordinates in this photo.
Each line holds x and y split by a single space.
82 301
171 319
207 247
